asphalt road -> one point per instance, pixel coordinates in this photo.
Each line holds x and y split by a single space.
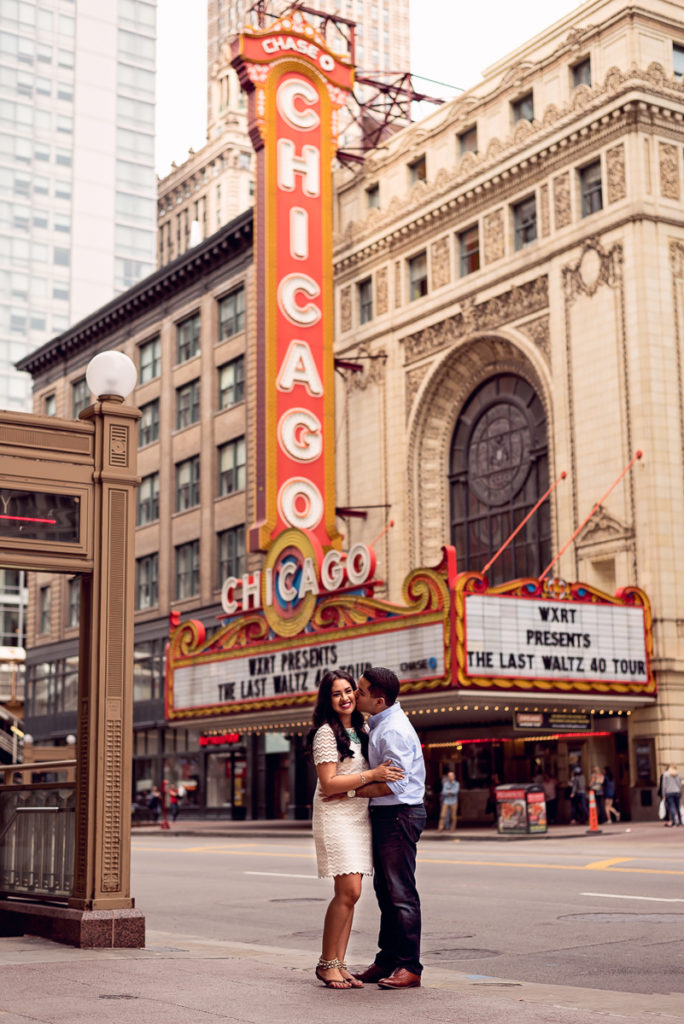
593 912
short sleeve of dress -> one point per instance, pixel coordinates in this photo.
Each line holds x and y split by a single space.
325 746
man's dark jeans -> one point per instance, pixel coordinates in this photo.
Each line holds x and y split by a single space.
396 831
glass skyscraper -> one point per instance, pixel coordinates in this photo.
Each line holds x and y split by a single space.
77 181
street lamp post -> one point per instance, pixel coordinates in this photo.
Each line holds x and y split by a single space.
105 719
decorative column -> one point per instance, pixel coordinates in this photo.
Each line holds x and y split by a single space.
105 716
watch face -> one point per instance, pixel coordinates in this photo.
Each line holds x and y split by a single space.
499 453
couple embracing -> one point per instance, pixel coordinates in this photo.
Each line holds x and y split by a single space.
368 814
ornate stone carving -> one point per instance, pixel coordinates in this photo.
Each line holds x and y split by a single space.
584 98
494 241
382 291
111 848
412 382
668 157
604 530
539 332
544 210
616 185
512 305
562 211
373 372
439 263
345 309
677 259
596 266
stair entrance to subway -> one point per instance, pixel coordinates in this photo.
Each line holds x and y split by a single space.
67 505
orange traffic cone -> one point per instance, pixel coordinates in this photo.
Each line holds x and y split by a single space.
593 815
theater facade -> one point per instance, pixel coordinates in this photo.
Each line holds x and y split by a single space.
497 337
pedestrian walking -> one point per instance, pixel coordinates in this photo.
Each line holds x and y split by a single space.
154 803
609 796
578 796
449 802
174 798
672 791
596 784
550 785
397 820
341 827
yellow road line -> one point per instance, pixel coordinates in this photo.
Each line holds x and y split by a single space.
593 866
601 865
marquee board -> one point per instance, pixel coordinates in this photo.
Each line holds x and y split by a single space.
553 635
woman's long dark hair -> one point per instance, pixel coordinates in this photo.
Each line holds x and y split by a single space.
324 714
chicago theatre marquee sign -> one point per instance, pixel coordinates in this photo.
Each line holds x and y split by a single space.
312 606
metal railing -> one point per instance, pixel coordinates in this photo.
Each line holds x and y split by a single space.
37 833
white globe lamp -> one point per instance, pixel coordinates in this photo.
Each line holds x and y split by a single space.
111 374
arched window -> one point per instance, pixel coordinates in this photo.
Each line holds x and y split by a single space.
498 471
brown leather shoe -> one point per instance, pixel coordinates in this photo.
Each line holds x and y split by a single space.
400 978
371 974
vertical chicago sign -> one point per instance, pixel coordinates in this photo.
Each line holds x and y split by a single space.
296 88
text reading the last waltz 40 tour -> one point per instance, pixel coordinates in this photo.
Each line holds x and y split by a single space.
543 639
413 653
287 672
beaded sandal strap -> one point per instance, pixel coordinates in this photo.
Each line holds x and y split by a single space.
327 965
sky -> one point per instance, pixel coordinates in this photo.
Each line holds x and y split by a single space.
452 41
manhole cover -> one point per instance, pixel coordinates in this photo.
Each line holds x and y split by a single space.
607 918
118 996
462 954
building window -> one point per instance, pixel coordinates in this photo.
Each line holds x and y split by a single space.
469 250
150 360
231 553
581 73
148 500
50 404
467 141
149 423
231 381
231 465
187 404
365 295
417 270
80 397
525 222
373 197
232 314
188 338
523 109
74 599
45 609
147 582
417 170
498 471
590 188
678 61
187 570
187 483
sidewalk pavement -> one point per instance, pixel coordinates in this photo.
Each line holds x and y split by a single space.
483 833
181 979
186 979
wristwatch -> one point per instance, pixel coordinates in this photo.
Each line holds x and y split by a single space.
352 792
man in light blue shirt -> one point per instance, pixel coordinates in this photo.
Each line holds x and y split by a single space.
397 819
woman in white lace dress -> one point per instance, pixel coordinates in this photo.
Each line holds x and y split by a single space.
341 827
